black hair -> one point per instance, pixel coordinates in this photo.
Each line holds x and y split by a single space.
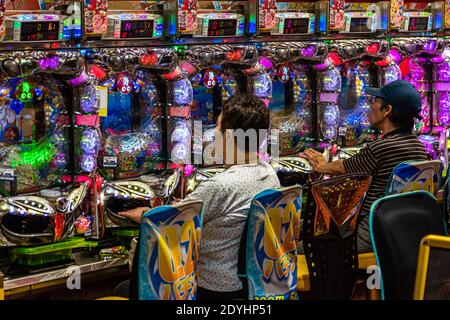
245 112
400 121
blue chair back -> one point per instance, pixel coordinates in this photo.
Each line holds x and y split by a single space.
416 175
273 229
168 252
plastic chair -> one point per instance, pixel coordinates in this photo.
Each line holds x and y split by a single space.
416 175
409 176
397 225
433 273
329 234
168 252
271 235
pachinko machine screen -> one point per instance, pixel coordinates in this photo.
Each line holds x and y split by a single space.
131 125
34 141
39 21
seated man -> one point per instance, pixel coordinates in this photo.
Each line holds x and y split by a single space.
227 197
393 110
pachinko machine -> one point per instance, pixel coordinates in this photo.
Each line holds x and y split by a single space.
43 199
218 73
362 64
132 154
424 62
39 21
123 19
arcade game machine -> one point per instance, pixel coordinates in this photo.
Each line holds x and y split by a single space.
293 104
43 202
363 64
132 153
423 62
217 73
123 20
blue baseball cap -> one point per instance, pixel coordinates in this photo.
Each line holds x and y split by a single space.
402 96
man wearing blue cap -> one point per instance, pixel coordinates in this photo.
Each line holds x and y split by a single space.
393 110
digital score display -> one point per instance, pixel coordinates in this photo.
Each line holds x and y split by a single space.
296 25
359 25
39 31
220 27
136 29
418 24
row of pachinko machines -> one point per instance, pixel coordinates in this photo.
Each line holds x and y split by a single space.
85 135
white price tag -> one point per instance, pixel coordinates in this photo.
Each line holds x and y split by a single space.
7 174
110 162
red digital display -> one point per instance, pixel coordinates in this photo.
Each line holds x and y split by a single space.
39 31
418 24
219 28
136 29
296 25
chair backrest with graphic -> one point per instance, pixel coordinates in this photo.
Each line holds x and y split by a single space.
433 273
168 252
273 228
329 234
415 175
397 224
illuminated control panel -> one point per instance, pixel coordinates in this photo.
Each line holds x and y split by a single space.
417 22
135 26
220 25
294 23
360 22
36 28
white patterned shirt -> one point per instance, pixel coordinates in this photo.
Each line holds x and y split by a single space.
226 201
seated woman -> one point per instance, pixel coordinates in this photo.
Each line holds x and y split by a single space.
227 197
393 110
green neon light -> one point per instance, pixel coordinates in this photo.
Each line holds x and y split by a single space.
25 92
39 155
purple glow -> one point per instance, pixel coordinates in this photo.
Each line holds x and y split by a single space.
438 59
263 86
330 114
88 99
331 80
329 132
59 161
396 55
444 117
444 101
391 73
88 162
89 141
266 63
81 79
443 72
308 52
430 45
51 63
182 92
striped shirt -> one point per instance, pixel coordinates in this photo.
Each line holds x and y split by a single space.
379 159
